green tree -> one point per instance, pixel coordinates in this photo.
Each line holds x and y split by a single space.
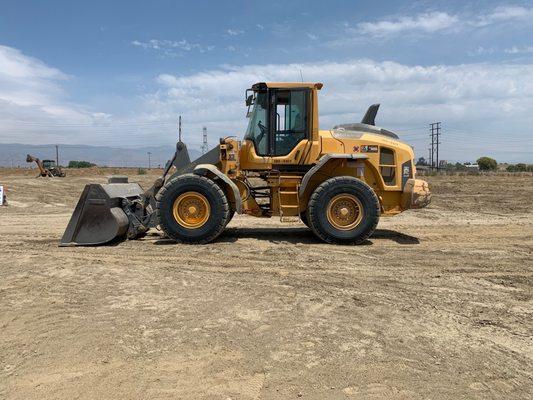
511 168
421 161
521 167
459 167
487 164
80 164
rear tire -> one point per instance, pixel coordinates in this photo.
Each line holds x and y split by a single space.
192 209
343 210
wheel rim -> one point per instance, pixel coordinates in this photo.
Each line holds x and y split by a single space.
345 212
191 210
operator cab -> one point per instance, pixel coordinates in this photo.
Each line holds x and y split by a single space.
48 164
280 116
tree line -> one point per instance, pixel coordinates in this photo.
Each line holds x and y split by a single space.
483 163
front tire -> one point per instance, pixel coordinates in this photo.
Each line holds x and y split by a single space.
303 218
192 209
343 210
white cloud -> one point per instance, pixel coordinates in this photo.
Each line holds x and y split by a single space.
426 22
30 89
504 14
169 47
519 50
475 97
312 36
488 103
234 32
34 106
481 51
26 81
440 21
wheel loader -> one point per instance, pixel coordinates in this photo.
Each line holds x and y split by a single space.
338 182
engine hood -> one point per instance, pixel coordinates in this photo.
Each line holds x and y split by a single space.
358 128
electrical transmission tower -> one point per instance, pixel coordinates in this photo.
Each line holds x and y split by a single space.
434 134
205 147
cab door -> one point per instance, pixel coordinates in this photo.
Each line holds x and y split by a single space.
289 125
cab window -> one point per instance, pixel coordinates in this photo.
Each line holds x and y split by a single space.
257 130
290 120
387 166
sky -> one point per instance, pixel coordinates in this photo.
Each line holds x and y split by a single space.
118 73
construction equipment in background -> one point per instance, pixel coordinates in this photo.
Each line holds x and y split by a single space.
338 182
46 167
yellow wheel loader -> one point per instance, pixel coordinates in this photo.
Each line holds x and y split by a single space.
337 181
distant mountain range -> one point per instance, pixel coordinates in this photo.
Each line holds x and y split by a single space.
14 154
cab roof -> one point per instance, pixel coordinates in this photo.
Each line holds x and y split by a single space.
287 85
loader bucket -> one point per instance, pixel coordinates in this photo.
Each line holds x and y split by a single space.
98 217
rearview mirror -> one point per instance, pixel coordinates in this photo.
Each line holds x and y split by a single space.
250 100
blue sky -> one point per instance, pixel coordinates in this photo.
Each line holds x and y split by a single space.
118 73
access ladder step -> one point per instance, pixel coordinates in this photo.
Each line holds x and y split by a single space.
288 192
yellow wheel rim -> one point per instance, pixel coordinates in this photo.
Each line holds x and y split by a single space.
345 212
191 210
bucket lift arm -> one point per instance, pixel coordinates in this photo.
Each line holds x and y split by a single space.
42 170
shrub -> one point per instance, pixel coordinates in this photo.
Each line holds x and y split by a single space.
421 161
487 164
141 171
80 164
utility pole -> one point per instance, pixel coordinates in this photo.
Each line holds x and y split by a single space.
435 141
205 147
179 129
57 155
149 160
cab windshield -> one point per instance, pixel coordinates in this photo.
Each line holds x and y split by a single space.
257 127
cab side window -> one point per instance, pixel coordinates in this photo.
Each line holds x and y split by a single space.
387 166
291 125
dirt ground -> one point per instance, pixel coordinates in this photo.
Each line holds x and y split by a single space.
437 305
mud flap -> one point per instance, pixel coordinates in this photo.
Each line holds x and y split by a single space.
98 217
